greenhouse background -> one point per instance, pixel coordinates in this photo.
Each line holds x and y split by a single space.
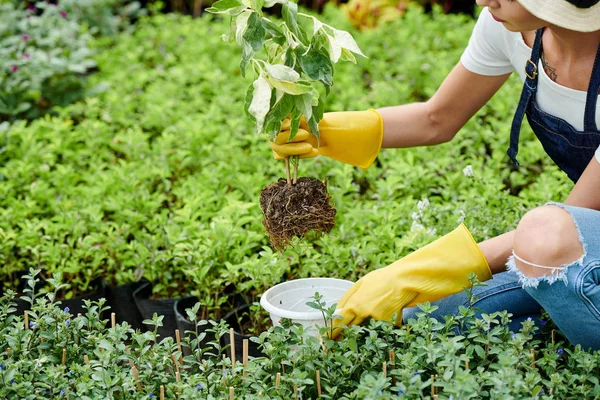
132 246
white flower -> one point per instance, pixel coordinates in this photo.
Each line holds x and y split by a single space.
416 226
462 216
468 170
423 204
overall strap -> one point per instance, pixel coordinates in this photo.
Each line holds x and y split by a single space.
589 121
529 88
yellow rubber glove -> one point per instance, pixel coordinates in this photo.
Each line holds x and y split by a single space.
352 137
435 271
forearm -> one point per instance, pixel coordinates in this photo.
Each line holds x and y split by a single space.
410 125
497 250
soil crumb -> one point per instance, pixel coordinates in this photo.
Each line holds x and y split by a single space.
294 210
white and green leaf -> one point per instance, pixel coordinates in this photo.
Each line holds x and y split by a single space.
346 41
282 72
241 23
261 101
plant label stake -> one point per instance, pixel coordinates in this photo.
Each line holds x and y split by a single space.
232 347
466 364
86 359
26 320
553 337
174 358
318 379
277 380
433 395
113 320
393 364
533 359
245 356
231 393
178 338
64 356
136 377
384 367
162 392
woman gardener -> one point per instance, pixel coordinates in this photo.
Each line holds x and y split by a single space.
552 259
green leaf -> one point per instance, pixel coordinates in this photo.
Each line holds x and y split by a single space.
317 65
348 56
294 88
314 127
271 3
247 54
290 58
9 375
295 122
479 350
352 345
304 104
318 110
258 4
248 101
277 114
289 12
231 7
255 32
275 31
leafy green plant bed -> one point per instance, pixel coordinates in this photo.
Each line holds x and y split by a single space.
158 176
50 353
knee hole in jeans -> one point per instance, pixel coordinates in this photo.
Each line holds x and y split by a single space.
546 240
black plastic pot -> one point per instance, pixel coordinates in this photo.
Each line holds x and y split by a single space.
236 319
120 299
76 304
147 307
185 325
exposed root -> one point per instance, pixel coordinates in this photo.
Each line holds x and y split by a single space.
294 210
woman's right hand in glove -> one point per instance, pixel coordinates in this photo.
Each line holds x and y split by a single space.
352 137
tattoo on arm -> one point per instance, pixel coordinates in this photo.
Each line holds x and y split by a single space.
551 72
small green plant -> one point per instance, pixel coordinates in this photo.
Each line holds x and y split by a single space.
328 312
50 353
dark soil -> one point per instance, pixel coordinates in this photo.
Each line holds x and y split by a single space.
294 210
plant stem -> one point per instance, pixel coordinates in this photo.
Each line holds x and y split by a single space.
287 170
296 162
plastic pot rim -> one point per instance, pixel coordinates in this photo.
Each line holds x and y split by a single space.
296 315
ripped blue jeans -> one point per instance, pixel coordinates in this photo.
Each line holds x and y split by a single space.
570 295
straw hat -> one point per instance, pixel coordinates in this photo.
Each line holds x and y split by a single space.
576 15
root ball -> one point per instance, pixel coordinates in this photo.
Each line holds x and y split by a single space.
294 210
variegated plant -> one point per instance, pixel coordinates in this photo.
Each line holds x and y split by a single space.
297 73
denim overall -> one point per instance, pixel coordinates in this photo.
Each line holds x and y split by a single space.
570 149
572 296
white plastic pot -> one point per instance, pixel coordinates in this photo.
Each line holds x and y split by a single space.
288 299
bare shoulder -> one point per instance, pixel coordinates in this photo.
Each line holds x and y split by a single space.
528 37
